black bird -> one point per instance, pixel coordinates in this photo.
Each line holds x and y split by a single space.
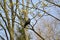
27 22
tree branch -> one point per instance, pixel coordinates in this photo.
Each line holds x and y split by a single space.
4 31
53 3
2 37
3 19
41 10
36 32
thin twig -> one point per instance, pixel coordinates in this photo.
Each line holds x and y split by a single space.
53 3
41 10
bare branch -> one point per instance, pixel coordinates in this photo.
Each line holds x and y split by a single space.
3 19
12 12
36 32
53 3
4 31
32 3
2 37
43 11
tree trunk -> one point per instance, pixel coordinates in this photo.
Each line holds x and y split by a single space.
12 34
